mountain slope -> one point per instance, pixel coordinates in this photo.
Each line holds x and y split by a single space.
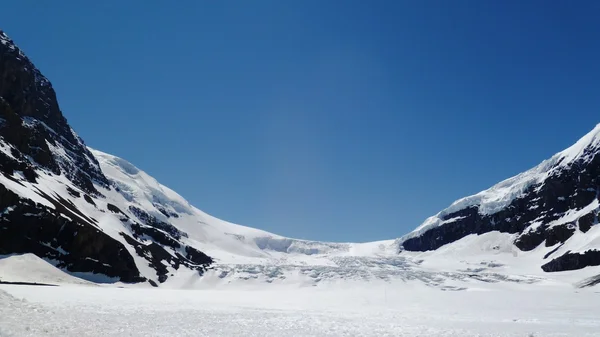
54 198
555 204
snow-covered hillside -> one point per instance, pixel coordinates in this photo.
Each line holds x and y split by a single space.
242 253
220 239
551 208
251 257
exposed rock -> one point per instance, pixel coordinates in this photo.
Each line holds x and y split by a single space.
156 234
160 258
586 221
75 246
89 200
114 208
165 211
73 193
573 261
197 256
152 221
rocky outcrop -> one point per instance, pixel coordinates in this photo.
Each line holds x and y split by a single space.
76 246
573 261
153 222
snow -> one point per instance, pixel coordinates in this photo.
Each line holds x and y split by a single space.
241 253
5 40
575 151
5 148
581 242
24 189
385 309
31 269
491 290
574 214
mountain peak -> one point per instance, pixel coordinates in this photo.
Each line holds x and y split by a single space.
5 40
9 46
585 147
34 125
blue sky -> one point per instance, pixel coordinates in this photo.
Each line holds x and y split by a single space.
328 120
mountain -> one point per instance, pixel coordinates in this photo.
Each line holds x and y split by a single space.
56 202
554 205
98 218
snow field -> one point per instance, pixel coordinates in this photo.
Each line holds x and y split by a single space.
391 309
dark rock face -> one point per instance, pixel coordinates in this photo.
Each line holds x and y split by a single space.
27 227
569 188
33 122
160 258
165 211
156 234
36 142
573 261
153 222
164 235
114 209
196 256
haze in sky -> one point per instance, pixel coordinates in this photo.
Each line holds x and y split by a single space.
327 120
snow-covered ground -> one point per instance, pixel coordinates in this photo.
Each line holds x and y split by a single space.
28 268
376 309
477 287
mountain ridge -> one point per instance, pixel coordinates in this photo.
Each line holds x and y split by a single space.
549 203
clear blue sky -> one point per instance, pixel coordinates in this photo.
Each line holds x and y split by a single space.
330 120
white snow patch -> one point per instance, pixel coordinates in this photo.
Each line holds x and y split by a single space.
30 268
401 310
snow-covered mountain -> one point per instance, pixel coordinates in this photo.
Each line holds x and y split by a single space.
99 218
554 205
